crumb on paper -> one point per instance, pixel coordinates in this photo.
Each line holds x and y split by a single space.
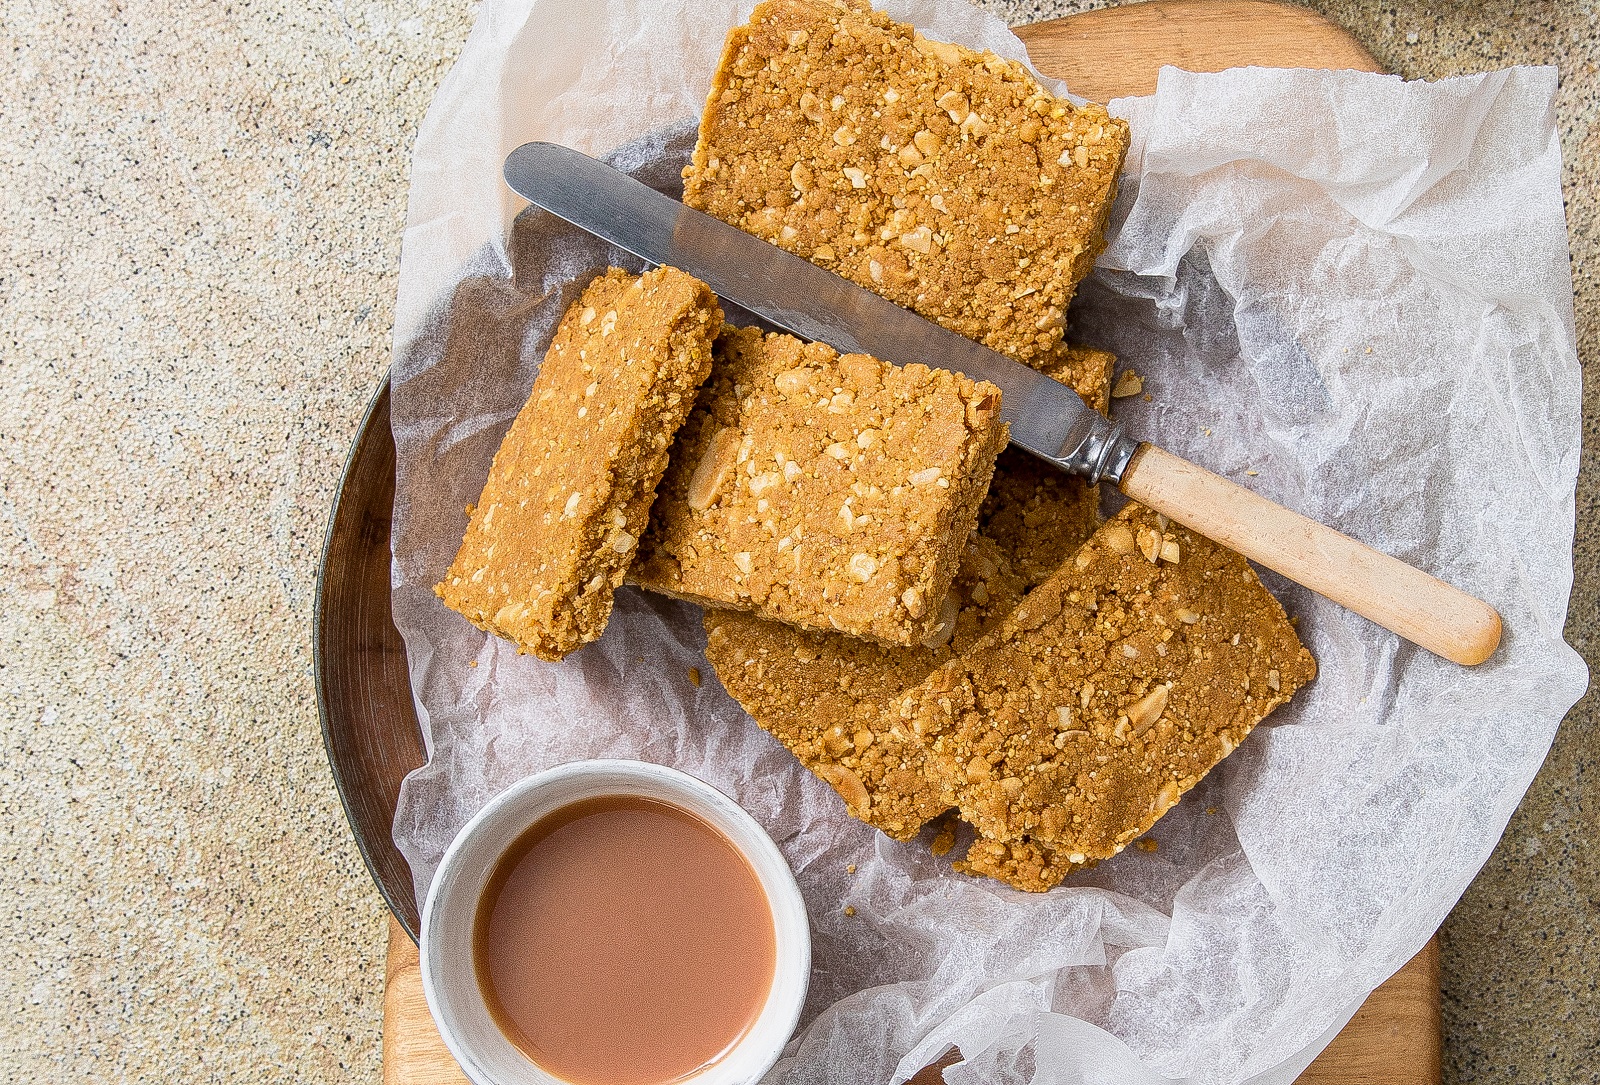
1129 384
849 909
850 868
694 677
473 663
1146 844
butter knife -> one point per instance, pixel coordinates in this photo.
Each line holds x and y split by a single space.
1046 418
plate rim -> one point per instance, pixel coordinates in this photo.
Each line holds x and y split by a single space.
401 905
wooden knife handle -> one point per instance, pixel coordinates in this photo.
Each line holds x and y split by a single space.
1424 610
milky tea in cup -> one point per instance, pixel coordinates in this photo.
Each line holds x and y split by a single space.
621 940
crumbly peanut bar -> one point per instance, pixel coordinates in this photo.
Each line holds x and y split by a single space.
570 490
828 491
947 180
825 695
1105 695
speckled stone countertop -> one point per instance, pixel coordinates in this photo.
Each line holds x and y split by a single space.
200 212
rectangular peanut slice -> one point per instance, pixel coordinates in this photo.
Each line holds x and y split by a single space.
1105 695
947 180
570 490
828 491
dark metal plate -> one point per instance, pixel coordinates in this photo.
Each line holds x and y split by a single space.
369 722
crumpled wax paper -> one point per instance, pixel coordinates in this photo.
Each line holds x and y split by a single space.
1350 292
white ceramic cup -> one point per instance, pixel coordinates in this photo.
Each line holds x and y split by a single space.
449 978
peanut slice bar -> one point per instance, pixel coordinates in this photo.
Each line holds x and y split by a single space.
827 491
1106 694
947 180
570 490
825 695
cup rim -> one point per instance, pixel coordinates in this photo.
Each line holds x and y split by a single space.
508 815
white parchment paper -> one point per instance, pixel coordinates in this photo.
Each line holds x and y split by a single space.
1350 292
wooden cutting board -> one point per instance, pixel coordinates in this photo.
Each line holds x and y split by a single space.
1395 1037
1392 1040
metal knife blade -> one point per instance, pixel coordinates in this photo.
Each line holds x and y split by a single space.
1046 418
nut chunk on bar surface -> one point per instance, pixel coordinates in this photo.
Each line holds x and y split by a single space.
571 487
947 180
827 491
1105 695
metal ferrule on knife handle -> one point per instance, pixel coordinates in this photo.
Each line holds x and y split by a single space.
1096 448
1046 418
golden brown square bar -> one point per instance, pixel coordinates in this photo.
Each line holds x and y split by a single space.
1105 695
826 696
823 490
570 490
947 180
